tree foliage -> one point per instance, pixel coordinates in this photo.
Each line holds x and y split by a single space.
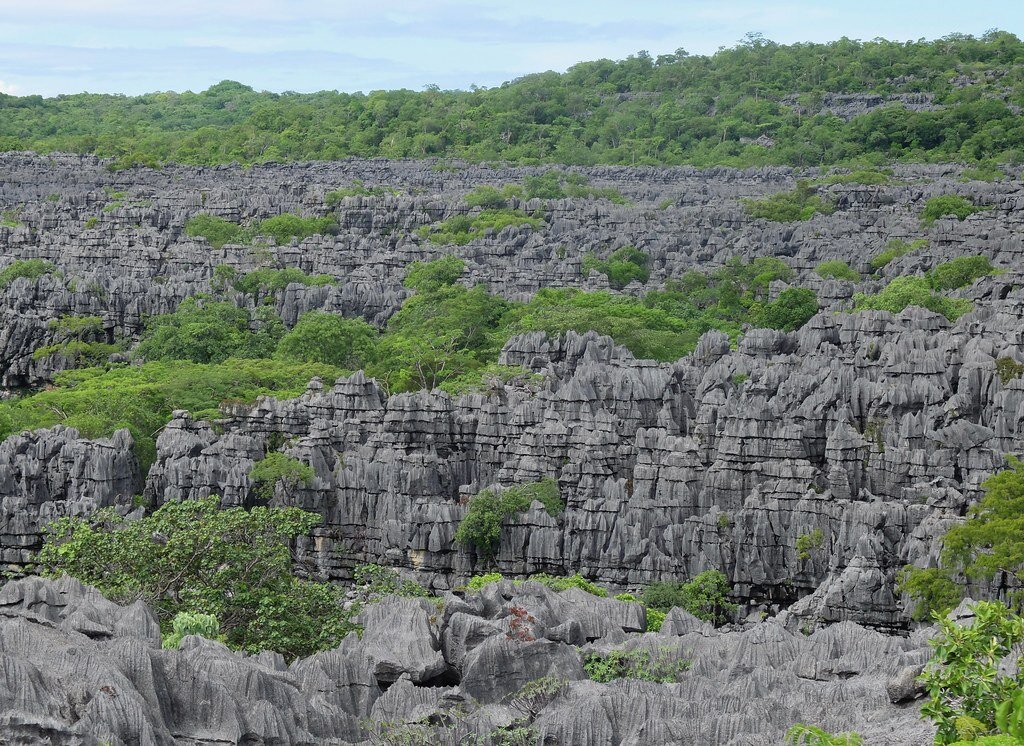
964 678
621 268
706 596
480 527
674 108
194 556
801 203
327 338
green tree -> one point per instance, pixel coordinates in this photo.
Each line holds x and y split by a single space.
948 204
480 528
276 468
194 556
706 596
320 337
792 309
963 678
209 332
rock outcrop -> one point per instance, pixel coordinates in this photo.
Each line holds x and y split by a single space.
78 669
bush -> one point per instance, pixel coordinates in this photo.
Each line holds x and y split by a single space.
705 596
376 582
959 272
809 735
836 269
1008 369
480 528
621 268
662 665
559 583
487 197
210 332
861 176
274 280
792 309
327 338
477 582
655 618
963 679
28 268
276 468
357 189
948 204
217 231
462 229
230 563
283 228
187 623
894 249
97 401
798 204
932 590
912 291
428 277
806 543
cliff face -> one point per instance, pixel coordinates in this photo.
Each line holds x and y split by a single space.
874 429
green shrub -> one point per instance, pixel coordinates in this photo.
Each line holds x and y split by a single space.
705 596
91 223
655 618
810 735
28 268
662 665
357 189
860 176
894 249
98 401
792 309
621 268
487 197
1008 369
377 582
461 229
283 228
272 281
836 269
227 562
327 338
483 378
427 277
477 582
912 291
79 354
933 591
277 468
948 204
963 678
480 528
959 272
191 623
798 204
217 231
984 171
806 543
210 332
560 583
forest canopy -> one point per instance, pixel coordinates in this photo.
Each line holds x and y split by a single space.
756 103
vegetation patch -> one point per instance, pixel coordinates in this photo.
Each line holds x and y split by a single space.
801 203
459 230
895 249
624 266
277 468
959 272
232 564
948 205
706 596
662 665
28 268
480 528
912 291
219 232
837 269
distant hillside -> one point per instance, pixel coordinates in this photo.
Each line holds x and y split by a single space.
955 98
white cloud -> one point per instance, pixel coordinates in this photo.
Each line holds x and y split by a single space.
9 88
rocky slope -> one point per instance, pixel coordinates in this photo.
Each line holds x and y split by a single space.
77 669
873 429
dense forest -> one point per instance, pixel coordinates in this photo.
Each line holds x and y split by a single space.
758 103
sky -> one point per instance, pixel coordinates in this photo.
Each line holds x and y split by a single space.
50 47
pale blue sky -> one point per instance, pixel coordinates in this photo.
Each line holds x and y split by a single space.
120 46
